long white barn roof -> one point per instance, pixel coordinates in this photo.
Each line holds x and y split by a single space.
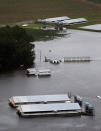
50 107
57 18
74 21
63 20
40 98
54 19
44 70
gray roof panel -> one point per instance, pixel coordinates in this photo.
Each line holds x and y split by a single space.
55 19
73 21
50 107
40 98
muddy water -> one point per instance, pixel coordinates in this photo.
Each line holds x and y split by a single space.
83 79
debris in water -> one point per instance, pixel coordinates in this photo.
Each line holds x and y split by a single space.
99 97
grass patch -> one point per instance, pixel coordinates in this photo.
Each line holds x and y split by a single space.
39 34
33 25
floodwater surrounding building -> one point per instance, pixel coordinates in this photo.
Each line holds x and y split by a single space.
83 79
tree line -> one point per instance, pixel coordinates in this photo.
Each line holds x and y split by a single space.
15 48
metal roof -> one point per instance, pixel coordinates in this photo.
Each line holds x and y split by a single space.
55 19
44 70
31 69
40 98
50 107
79 57
74 21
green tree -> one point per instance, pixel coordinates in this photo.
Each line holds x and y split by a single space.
15 48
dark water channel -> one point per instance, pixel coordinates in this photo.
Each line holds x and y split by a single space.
83 79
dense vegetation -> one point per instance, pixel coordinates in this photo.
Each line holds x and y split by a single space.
15 48
12 11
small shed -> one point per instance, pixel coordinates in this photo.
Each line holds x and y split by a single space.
31 71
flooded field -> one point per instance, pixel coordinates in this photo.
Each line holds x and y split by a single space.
83 79
92 27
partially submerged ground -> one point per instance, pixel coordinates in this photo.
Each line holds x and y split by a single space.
78 26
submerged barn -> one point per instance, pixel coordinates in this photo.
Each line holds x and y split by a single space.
38 99
77 59
31 71
68 109
44 72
